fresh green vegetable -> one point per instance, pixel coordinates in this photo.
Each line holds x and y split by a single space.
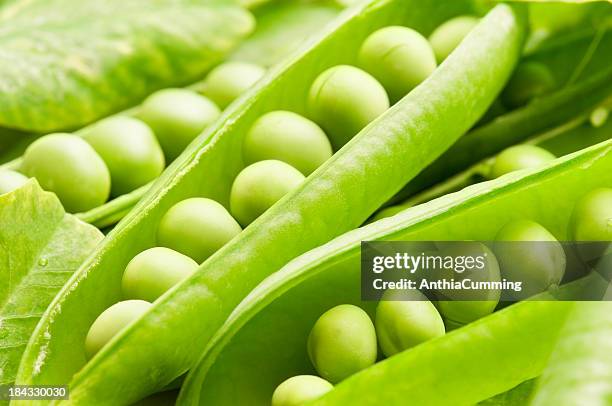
129 149
81 182
197 227
41 246
342 342
530 80
450 34
299 390
456 94
399 57
343 100
228 81
258 186
533 256
403 322
111 321
66 63
460 307
177 116
287 137
592 217
519 157
578 372
152 272
11 180
510 346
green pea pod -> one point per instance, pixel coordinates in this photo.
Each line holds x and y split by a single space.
271 325
366 172
281 27
570 137
579 371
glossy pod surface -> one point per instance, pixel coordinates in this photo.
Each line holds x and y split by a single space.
512 345
309 216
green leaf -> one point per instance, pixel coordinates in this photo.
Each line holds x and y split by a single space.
40 247
64 63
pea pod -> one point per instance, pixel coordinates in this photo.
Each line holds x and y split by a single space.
518 125
511 346
579 369
570 137
434 114
290 22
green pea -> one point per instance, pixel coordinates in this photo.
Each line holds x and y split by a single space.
129 149
287 137
449 35
530 80
299 390
592 217
343 100
11 180
197 227
460 307
519 157
258 186
152 272
228 81
403 321
68 166
112 321
531 254
342 342
177 116
399 57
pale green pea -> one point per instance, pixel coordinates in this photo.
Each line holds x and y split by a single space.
11 180
449 35
129 149
112 321
287 137
343 100
406 319
529 80
592 216
258 186
152 272
460 307
399 57
228 81
519 157
177 116
197 227
342 342
299 390
529 253
68 166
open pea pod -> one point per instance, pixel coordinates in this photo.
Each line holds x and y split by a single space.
579 369
281 27
271 326
361 176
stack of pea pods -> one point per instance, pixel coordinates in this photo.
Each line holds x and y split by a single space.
197 240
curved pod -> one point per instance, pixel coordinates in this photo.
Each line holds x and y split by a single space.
374 161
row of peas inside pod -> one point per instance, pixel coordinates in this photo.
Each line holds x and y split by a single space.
280 149
119 154
344 340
